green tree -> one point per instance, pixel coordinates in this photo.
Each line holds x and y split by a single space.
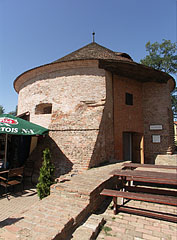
14 113
163 56
1 109
46 177
174 102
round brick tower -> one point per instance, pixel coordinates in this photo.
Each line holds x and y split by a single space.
75 98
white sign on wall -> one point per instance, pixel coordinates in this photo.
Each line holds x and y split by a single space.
156 138
155 127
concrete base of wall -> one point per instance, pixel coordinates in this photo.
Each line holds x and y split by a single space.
166 159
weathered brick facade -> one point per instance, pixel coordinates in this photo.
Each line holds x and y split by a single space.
89 116
157 110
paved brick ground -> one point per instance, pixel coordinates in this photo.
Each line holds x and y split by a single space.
25 217
61 210
17 202
132 227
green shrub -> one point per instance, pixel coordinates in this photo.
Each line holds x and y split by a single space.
46 177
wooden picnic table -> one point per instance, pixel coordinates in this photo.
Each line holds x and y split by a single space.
149 194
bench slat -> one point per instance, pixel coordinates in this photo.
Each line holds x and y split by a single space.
162 216
157 181
151 190
169 200
147 176
135 165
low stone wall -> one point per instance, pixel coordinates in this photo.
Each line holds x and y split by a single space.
166 160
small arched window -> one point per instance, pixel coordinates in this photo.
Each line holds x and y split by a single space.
43 108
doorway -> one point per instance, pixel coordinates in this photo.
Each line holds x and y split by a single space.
127 146
133 147
18 150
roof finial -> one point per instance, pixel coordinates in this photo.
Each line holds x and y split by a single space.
93 33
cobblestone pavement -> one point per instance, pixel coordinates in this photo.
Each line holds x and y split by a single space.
126 226
17 202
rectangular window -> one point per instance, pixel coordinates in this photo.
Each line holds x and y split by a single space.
156 138
128 99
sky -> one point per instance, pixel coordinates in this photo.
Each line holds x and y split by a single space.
37 32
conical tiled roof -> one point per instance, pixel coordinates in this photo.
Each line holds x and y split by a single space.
115 62
94 51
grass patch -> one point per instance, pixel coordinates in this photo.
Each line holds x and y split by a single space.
107 230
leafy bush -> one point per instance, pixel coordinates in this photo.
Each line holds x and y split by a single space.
46 177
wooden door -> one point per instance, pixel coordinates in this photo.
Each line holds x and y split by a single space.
138 148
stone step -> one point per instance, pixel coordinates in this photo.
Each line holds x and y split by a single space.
89 229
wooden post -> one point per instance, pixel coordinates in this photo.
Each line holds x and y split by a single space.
142 149
115 205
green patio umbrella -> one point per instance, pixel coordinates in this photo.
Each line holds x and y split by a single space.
10 124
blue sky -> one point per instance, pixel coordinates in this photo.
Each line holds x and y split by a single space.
36 32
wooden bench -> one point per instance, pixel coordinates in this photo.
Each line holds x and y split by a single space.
154 198
136 165
159 181
151 190
14 177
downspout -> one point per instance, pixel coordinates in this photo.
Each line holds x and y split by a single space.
113 110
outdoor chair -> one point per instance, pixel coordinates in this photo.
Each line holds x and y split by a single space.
14 177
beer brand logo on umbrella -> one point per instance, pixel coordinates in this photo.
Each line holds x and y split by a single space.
8 121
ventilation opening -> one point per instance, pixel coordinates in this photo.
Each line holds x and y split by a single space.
43 108
128 99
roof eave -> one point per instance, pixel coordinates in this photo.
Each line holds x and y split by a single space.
42 67
136 71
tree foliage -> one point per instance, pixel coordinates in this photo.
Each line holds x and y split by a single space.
174 103
2 110
46 177
14 113
161 56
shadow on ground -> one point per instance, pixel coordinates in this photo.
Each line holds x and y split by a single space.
9 221
27 191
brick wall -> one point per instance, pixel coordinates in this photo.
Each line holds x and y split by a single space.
157 111
79 113
127 118
151 106
67 87
89 114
